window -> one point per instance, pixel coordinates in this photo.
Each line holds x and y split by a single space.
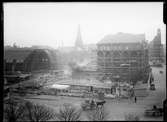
127 48
9 61
44 59
104 48
119 47
107 54
100 53
17 61
108 48
101 48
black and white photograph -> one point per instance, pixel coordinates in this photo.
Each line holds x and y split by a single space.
84 61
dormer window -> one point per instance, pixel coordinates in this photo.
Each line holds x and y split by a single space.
9 61
44 60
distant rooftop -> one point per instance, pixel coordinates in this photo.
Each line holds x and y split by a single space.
122 38
18 54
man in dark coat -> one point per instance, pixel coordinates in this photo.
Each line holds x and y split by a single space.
135 99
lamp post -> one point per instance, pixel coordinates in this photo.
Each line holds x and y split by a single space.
129 70
127 65
117 77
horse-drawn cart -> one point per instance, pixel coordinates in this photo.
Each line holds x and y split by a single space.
152 87
154 112
161 72
91 104
88 105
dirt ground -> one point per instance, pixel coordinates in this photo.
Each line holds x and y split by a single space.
117 109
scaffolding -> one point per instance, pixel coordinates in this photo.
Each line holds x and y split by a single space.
130 64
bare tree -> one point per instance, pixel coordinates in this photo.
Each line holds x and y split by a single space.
68 113
132 117
36 112
99 114
13 112
26 111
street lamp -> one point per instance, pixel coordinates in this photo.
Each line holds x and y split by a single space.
127 65
117 77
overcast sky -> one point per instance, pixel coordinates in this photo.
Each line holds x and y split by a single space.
50 24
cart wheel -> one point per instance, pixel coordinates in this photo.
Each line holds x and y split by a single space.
83 108
153 113
159 113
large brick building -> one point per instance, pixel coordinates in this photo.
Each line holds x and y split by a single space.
124 55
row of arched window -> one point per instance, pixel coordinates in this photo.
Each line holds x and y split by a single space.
44 59
12 60
119 53
119 47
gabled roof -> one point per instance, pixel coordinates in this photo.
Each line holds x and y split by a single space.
123 38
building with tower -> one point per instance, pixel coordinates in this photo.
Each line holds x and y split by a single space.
156 48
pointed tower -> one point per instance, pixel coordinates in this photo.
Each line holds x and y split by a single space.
159 35
78 41
156 48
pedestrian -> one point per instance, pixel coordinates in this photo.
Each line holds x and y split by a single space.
135 99
92 104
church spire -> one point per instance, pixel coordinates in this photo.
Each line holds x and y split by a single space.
78 41
159 34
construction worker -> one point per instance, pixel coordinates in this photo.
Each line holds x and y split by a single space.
135 99
92 104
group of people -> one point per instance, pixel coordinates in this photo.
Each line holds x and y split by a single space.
135 98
